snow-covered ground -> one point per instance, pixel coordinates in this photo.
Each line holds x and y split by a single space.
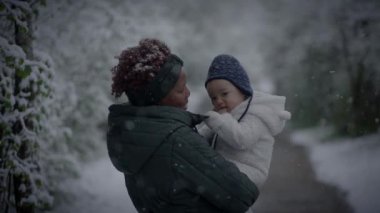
100 189
353 165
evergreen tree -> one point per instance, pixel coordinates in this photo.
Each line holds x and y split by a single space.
27 109
332 58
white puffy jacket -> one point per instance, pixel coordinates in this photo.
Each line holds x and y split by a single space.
249 143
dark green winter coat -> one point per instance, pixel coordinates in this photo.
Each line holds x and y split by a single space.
169 167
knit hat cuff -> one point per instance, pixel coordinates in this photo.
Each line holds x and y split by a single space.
245 89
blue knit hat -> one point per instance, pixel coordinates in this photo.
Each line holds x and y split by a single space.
229 68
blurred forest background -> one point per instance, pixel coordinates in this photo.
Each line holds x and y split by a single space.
56 56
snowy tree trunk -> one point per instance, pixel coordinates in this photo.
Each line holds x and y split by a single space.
23 91
22 185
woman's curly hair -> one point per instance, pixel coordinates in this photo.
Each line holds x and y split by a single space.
138 65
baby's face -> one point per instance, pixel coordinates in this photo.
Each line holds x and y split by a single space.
224 95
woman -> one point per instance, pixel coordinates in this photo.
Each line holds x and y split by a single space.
168 166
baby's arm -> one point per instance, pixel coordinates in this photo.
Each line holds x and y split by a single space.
238 135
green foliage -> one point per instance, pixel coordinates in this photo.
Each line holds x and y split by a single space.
310 98
336 80
325 94
24 90
23 72
2 7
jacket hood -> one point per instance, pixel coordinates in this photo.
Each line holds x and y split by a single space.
135 133
269 108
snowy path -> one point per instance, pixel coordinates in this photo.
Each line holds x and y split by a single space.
101 190
102 178
292 185
351 164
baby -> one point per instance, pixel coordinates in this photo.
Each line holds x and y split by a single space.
243 123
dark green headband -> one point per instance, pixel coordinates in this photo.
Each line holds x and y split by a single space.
160 86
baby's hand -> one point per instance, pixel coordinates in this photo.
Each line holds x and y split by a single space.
213 120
